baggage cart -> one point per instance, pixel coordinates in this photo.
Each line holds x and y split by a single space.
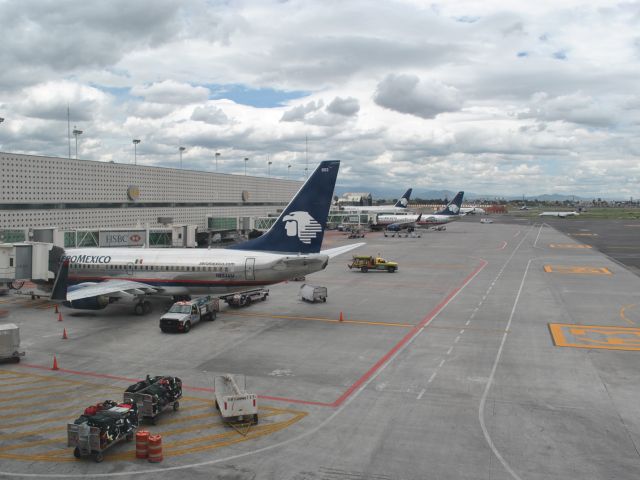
150 404
10 342
88 440
232 400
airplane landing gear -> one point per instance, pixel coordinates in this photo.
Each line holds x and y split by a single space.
142 308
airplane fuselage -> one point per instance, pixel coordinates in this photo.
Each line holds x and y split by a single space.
424 220
188 271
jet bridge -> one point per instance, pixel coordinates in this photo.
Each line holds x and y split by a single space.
34 261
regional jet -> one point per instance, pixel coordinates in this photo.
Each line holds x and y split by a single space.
399 206
559 214
448 214
92 278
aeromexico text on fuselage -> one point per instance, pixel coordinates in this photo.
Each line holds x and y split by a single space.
206 271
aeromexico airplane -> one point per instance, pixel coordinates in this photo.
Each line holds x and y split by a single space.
448 214
92 278
399 207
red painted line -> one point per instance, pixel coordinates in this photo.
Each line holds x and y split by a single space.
504 244
414 331
357 384
185 387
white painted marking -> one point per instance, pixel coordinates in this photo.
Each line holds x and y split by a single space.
504 244
433 375
442 361
457 339
462 332
490 381
538 236
468 322
421 394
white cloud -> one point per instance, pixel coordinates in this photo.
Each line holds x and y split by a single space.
170 91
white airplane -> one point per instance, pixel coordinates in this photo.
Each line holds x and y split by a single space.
448 214
559 214
400 206
92 278
472 210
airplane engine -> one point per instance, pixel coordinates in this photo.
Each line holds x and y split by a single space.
92 303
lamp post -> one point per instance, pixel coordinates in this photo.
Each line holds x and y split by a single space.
217 156
269 168
246 159
181 149
76 133
135 150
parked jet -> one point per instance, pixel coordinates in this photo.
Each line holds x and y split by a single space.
399 206
472 210
448 214
559 214
92 278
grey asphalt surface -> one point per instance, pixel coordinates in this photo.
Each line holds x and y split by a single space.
445 369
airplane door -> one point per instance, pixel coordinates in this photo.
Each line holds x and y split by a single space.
249 269
129 268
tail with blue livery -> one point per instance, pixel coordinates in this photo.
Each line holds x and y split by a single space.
300 227
404 200
453 207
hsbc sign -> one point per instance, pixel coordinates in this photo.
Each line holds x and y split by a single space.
122 238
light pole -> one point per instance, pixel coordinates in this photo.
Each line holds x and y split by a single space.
135 150
217 156
181 149
269 168
76 133
246 159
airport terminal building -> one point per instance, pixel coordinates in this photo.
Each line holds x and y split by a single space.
67 194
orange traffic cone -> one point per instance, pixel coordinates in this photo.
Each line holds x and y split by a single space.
55 363
59 316
64 334
56 308
341 317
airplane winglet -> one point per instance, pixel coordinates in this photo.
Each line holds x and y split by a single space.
59 291
334 252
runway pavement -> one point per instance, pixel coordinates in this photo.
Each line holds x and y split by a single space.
497 351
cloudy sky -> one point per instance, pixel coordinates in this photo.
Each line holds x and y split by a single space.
493 97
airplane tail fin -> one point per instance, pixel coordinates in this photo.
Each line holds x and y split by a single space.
404 200
453 207
300 227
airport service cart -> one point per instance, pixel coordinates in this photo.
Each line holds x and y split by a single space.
10 342
232 400
89 439
154 396
313 293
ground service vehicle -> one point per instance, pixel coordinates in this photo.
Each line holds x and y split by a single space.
232 400
10 342
365 264
182 315
100 428
154 395
313 293
242 299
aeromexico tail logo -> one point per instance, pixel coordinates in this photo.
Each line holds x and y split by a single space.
454 208
404 202
302 225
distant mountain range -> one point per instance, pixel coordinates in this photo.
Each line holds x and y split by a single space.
390 193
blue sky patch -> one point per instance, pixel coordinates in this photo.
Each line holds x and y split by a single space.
523 54
560 55
254 97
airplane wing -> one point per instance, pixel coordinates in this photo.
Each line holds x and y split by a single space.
334 252
112 288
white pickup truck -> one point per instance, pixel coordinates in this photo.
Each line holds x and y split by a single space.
182 315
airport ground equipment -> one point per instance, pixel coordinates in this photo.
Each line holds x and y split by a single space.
233 401
100 428
366 263
10 342
183 315
356 233
242 299
313 293
154 395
